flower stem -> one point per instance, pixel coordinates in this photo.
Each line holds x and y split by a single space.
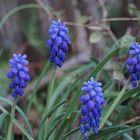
9 136
49 95
50 90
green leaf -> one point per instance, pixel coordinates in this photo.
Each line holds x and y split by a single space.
114 104
73 77
68 113
104 61
125 134
22 129
40 134
128 136
16 122
103 132
83 19
2 117
118 75
53 124
123 131
95 37
124 51
126 41
3 110
54 108
132 9
7 101
107 131
71 132
130 94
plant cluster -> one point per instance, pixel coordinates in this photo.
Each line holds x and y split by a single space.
94 108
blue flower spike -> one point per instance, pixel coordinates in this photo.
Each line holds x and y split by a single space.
92 104
133 63
58 42
19 73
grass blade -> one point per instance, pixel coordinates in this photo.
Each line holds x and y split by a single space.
43 73
21 112
104 61
22 129
111 109
17 124
40 137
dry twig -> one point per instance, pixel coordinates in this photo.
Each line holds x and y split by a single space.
135 119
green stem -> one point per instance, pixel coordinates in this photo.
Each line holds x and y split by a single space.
114 104
9 136
50 92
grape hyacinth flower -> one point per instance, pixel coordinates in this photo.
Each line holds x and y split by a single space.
133 63
58 42
19 73
92 104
